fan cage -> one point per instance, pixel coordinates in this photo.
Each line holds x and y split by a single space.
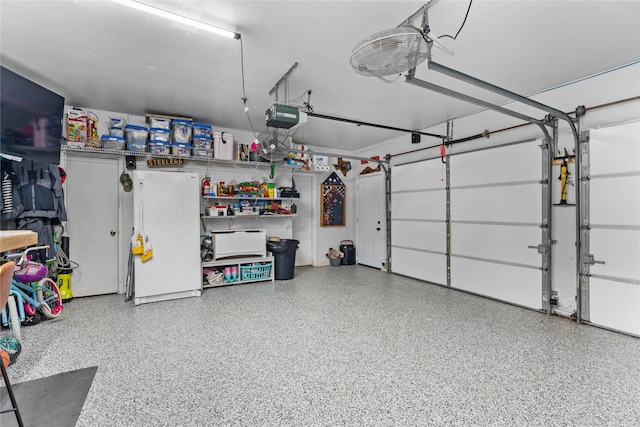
390 52
273 146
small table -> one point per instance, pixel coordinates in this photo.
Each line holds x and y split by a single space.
14 239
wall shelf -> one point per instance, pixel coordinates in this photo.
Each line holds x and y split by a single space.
244 270
282 216
144 154
248 197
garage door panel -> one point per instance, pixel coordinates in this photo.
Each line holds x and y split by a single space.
422 205
420 235
620 251
615 200
615 149
513 284
417 176
615 305
613 194
514 163
514 203
503 243
420 265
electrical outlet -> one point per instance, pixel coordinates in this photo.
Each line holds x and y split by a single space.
131 162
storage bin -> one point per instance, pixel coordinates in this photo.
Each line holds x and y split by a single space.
116 126
202 146
136 135
113 142
159 134
180 149
137 147
159 147
348 248
160 123
202 129
202 141
117 132
181 131
202 152
223 145
255 272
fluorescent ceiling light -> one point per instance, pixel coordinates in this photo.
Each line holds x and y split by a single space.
177 18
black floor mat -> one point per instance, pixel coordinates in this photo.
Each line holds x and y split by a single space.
52 401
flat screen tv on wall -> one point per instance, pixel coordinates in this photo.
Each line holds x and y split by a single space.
30 119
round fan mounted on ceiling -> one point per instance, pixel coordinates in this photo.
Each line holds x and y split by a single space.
273 144
392 51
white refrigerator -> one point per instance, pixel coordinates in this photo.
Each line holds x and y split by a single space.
167 211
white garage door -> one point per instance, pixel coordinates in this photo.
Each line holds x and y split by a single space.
419 221
495 217
612 282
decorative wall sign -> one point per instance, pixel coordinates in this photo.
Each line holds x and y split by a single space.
333 203
342 166
152 163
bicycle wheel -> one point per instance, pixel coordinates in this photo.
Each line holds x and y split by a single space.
14 318
49 298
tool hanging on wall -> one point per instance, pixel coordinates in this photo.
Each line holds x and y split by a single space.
565 176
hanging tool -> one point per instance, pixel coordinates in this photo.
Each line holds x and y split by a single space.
137 240
128 292
565 178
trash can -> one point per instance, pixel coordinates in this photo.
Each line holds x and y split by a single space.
349 250
284 253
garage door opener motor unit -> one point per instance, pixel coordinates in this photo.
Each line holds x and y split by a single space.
284 116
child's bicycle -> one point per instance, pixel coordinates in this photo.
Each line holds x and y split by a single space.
31 291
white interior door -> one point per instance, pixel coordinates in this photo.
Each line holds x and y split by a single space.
371 246
91 195
614 227
303 221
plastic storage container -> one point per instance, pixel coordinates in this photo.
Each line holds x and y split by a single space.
160 123
159 147
159 134
181 131
202 141
181 149
110 142
136 137
116 126
284 252
223 145
349 250
202 129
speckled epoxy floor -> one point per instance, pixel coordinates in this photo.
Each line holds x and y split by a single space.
336 346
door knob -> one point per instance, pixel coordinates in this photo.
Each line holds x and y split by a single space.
113 232
378 229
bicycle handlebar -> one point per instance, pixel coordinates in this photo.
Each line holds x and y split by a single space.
26 251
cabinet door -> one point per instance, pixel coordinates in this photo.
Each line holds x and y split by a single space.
91 194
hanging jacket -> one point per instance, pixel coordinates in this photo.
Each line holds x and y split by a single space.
10 202
40 190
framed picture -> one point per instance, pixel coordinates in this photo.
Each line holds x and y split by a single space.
333 202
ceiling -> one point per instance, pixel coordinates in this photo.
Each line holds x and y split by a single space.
102 55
